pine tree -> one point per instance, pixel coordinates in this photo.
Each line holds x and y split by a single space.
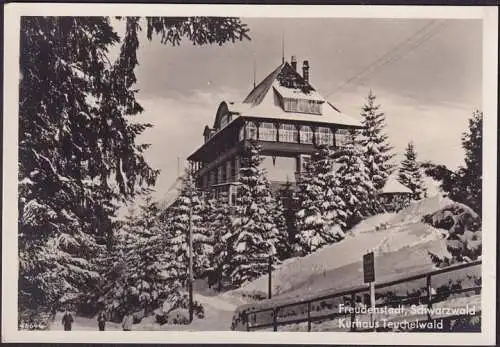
357 190
186 211
320 203
144 273
410 174
217 219
287 196
465 184
78 150
374 141
257 222
471 174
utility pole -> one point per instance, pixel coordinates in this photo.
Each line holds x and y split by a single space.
270 271
190 287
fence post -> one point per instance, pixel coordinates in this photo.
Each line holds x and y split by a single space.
247 317
309 316
429 296
275 319
353 313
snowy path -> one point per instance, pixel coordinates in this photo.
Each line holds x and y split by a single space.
218 316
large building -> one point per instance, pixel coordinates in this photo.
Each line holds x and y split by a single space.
285 114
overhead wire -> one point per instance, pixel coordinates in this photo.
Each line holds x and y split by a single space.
413 41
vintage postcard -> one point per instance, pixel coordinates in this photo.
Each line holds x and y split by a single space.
256 174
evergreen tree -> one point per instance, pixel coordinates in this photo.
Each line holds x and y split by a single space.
320 203
471 175
77 145
357 190
374 141
218 221
287 196
185 212
465 184
144 274
410 175
257 222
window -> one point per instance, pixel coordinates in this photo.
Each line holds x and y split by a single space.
324 136
221 170
267 132
288 133
212 178
242 133
341 137
204 182
306 134
290 105
302 105
304 161
251 131
232 169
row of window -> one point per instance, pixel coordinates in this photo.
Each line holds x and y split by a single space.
302 106
290 133
221 174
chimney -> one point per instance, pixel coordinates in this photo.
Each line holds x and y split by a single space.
305 71
293 62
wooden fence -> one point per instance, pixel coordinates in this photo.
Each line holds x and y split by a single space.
251 318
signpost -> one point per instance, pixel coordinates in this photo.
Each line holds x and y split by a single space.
369 277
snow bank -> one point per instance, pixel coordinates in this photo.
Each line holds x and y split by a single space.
384 233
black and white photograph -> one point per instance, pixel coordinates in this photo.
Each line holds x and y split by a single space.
259 172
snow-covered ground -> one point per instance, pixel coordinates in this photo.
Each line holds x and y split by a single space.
218 315
400 242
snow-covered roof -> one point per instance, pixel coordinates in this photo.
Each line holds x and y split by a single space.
297 93
262 101
393 186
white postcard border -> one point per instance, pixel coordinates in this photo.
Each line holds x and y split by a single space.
9 213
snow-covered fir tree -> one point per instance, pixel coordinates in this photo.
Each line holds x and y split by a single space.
410 174
144 273
320 204
471 175
465 184
286 195
187 211
74 141
374 141
217 219
77 147
356 188
257 222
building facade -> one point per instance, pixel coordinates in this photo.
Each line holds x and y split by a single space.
286 115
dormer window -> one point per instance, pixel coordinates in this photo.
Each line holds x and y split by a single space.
302 105
224 120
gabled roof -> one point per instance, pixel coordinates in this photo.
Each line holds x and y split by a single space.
286 82
392 185
259 92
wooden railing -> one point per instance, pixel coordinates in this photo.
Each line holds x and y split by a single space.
250 318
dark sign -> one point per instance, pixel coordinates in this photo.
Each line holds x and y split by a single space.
369 267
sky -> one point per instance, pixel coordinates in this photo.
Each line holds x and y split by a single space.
426 74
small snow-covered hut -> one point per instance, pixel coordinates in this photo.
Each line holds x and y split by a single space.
394 195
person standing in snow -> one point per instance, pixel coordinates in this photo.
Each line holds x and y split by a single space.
127 322
101 321
67 320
